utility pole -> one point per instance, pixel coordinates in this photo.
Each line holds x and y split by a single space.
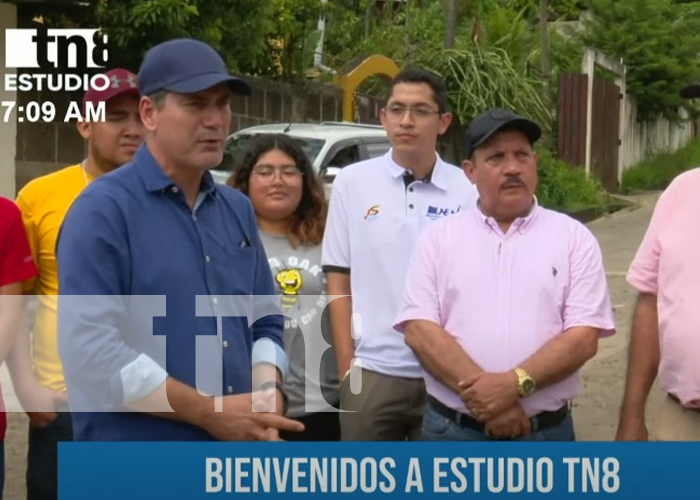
544 50
368 17
450 23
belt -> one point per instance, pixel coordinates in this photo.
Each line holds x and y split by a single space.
675 399
541 421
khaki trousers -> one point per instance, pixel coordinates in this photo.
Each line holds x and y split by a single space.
675 423
386 409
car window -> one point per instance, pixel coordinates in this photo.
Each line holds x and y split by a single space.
345 156
235 146
375 149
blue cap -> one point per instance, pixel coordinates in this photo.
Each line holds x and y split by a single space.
185 66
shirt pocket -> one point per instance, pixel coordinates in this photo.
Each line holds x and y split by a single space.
235 270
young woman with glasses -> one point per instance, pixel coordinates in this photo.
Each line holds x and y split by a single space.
291 208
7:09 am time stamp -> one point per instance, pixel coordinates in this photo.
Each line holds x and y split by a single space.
46 112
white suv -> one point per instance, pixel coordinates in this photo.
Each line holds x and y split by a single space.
330 145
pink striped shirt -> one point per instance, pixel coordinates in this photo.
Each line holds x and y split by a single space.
502 297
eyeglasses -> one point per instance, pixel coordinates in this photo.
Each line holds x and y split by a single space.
267 172
420 112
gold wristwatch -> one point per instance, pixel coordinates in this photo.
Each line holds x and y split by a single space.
526 384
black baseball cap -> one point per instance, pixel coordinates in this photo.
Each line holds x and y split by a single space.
487 124
186 66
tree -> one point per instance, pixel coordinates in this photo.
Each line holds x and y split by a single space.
567 9
273 38
658 41
239 29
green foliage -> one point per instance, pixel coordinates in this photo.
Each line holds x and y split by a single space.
657 40
273 37
566 52
562 187
658 172
393 34
567 9
292 43
479 79
505 27
136 25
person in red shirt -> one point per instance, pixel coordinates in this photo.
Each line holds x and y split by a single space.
16 267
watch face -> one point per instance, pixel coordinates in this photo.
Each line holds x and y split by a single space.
528 386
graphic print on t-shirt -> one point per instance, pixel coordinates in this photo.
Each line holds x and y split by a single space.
300 284
290 282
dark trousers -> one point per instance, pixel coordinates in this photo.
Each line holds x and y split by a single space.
2 468
321 426
42 457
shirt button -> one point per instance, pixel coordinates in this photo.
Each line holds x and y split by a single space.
215 300
410 190
230 389
194 217
175 189
225 343
207 258
410 206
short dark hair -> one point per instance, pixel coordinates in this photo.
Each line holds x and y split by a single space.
310 217
158 98
418 75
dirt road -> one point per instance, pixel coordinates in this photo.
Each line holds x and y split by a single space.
596 411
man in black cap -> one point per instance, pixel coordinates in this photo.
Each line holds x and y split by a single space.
155 333
504 303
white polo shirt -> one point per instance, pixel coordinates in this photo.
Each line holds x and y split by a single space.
373 222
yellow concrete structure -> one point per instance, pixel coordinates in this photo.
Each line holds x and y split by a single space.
349 82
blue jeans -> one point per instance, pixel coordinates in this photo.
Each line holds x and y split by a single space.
439 428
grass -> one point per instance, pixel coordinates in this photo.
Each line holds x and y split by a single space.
658 172
565 188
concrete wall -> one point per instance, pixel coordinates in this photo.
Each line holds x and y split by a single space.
644 140
8 129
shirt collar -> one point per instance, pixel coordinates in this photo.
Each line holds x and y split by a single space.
521 224
435 177
155 179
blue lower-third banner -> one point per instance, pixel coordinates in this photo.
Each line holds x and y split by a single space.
136 471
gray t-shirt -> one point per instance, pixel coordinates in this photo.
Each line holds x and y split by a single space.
302 285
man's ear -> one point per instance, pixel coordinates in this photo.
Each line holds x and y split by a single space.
445 121
468 168
83 128
147 111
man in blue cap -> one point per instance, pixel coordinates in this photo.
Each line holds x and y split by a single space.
150 332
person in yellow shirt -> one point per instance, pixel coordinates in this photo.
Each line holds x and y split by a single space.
35 366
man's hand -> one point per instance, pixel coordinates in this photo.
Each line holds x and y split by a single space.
247 417
40 403
510 424
632 429
487 395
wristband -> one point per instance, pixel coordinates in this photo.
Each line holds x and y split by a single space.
277 386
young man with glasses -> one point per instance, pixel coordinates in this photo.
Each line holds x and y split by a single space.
378 207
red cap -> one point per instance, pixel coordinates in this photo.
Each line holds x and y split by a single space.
121 82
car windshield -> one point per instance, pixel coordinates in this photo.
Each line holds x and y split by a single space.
312 147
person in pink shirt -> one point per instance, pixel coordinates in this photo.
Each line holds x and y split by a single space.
505 302
665 339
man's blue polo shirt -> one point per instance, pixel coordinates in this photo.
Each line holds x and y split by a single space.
152 275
